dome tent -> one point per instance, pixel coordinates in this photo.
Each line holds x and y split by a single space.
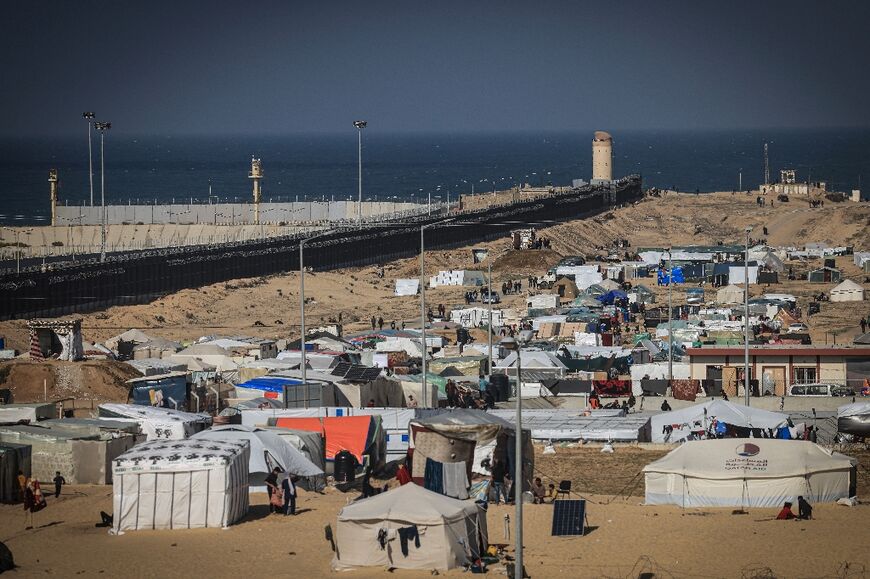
451 531
753 472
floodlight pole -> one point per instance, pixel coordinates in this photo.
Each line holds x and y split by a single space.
746 319
89 116
670 317
302 322
518 471
360 125
423 314
489 308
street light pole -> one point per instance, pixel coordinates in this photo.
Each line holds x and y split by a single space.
512 344
89 116
102 127
746 319
302 312
360 125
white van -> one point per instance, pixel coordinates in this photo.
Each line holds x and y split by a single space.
819 389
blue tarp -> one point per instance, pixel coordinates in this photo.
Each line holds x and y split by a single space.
677 274
611 296
269 383
174 387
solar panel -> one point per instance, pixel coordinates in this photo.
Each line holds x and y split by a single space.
341 369
569 517
371 373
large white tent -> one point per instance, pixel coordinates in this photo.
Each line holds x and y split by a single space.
158 423
686 422
847 291
180 484
762 472
268 450
451 531
730 294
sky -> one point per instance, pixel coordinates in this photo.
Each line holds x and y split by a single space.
284 67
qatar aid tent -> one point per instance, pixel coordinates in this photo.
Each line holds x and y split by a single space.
180 484
757 472
687 423
847 291
158 423
268 450
451 531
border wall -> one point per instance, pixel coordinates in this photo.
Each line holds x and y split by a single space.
141 276
233 213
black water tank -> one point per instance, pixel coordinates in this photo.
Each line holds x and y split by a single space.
501 386
345 467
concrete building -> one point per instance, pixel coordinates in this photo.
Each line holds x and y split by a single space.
602 158
788 185
778 367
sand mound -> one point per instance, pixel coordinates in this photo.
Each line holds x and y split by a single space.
95 380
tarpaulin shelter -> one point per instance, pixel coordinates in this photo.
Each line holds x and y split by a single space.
730 294
452 533
313 447
612 296
684 424
158 423
180 484
854 419
566 289
758 472
675 274
359 435
166 390
267 451
456 436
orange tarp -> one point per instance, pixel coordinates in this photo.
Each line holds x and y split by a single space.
349 433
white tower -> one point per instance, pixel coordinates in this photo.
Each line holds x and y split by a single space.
52 187
256 174
602 158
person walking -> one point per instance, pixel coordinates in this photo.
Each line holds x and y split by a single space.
381 323
288 487
374 322
58 482
863 323
498 471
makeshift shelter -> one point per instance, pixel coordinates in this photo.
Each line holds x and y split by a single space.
61 339
641 294
362 436
465 436
165 390
313 447
566 289
180 484
407 287
847 291
612 296
730 294
609 285
772 262
158 423
691 422
267 451
748 473
13 458
825 275
28 412
452 532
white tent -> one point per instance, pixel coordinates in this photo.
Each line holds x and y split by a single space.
158 423
407 287
760 472
736 274
847 291
451 531
730 294
699 417
180 484
609 284
268 450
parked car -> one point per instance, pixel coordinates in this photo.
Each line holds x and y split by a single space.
798 328
492 298
820 389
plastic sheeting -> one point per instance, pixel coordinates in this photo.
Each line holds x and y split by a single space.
727 412
158 423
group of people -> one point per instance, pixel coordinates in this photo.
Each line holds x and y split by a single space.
460 397
30 492
512 287
805 511
378 323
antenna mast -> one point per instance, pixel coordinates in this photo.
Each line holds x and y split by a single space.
766 167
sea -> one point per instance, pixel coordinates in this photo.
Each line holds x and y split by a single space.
181 169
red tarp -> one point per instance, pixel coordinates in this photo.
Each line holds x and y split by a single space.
349 433
612 388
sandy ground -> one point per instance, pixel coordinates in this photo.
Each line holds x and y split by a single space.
269 307
624 538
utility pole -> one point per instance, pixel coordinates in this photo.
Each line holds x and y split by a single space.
89 116
360 125
746 318
102 127
670 316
